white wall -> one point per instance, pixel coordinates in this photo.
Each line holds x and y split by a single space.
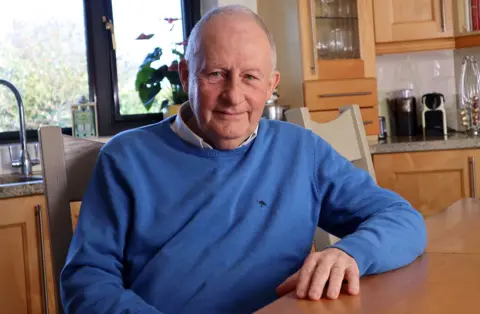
206 5
251 4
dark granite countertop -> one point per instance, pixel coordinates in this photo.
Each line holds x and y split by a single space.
15 185
420 143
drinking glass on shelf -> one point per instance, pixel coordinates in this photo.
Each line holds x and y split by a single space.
340 8
326 8
352 23
332 46
322 46
323 37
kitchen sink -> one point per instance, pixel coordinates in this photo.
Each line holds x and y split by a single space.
17 178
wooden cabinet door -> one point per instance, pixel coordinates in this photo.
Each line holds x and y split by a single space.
405 20
21 274
430 181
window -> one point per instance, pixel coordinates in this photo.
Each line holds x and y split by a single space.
67 52
138 27
137 33
44 56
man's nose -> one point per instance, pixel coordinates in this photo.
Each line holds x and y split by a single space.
233 92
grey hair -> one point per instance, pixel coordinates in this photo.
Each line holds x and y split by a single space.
193 44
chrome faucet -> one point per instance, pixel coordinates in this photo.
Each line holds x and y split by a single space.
24 161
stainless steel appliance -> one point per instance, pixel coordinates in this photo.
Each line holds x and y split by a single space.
402 107
274 112
434 118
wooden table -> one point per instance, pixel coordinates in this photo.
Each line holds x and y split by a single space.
446 279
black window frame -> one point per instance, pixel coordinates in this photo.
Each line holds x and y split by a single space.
102 72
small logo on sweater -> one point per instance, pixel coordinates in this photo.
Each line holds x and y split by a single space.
262 203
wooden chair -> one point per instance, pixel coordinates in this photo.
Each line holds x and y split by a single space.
67 164
347 136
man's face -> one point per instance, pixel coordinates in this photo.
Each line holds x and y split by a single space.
231 80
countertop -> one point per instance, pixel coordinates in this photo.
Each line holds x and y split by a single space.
8 187
11 186
420 143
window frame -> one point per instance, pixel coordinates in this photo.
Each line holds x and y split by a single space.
102 71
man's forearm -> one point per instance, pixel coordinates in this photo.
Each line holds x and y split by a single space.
387 240
90 291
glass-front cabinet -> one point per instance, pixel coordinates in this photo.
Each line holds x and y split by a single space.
338 35
467 21
336 24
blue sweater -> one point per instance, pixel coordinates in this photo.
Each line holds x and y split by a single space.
166 227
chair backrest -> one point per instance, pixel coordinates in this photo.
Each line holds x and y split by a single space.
346 134
67 164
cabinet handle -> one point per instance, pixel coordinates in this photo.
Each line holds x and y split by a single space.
367 122
443 6
344 94
468 16
39 214
474 176
314 45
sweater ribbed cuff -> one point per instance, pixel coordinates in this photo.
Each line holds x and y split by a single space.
359 249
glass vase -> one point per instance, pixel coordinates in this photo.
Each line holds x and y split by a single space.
469 95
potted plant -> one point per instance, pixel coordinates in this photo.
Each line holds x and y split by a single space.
149 79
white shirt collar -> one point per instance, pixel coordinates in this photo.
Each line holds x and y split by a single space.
180 127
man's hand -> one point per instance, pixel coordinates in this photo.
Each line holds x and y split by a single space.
325 270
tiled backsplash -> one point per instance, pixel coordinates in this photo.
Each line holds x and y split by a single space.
424 72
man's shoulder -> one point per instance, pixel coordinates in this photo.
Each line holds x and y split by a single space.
286 129
136 138
283 126
291 134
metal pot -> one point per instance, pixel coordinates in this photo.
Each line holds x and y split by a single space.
274 112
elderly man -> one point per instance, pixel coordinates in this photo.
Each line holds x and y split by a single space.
214 211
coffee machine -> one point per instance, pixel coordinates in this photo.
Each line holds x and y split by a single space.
402 109
434 118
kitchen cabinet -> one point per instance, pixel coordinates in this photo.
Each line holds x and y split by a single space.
26 284
326 54
403 20
413 25
325 98
418 25
432 180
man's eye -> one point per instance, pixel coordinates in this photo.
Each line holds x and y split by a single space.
250 77
215 74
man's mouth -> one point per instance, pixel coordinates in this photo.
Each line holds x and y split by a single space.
229 115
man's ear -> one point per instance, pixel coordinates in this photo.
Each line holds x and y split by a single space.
183 72
273 82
